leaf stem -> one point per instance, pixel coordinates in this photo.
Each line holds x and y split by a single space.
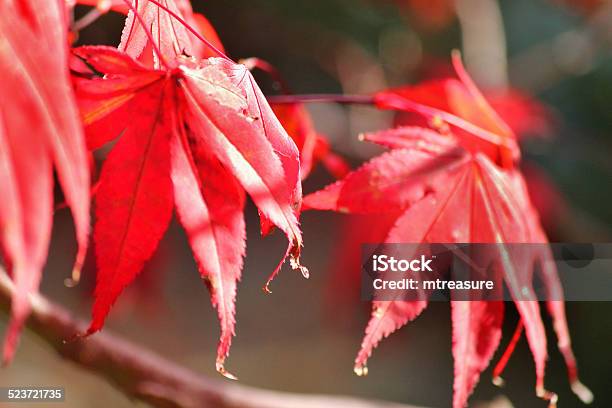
503 361
399 103
322 98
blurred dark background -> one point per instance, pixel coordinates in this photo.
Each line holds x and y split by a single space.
304 336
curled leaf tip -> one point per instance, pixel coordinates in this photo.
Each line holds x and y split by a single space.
221 370
78 265
76 272
361 370
549 396
582 392
266 288
498 381
71 282
303 270
294 261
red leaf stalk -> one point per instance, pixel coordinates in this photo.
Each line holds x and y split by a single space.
503 361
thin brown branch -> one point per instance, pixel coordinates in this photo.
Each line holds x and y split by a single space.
144 375
322 98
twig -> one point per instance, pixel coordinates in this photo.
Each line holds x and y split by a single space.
144 375
322 98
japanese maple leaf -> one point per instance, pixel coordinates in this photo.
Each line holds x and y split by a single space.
454 183
39 132
149 287
195 137
525 115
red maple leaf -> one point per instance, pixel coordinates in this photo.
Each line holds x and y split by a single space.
453 182
525 115
148 288
39 132
193 136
